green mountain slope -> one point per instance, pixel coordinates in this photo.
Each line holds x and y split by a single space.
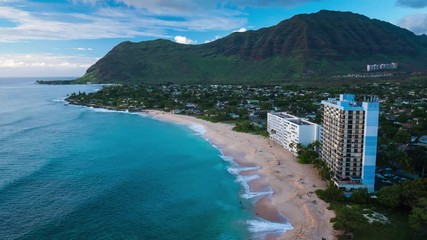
307 45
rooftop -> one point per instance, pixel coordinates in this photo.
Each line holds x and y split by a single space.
300 121
292 118
348 102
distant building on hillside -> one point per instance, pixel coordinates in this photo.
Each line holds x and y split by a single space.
349 140
286 129
382 66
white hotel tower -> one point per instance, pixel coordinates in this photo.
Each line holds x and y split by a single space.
349 140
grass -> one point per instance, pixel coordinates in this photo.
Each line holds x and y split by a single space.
397 229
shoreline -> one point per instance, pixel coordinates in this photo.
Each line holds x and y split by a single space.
285 188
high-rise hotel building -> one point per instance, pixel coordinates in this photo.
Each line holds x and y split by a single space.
349 140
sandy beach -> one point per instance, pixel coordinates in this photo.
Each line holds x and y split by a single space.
292 184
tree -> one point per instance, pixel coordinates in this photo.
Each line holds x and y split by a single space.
404 195
390 196
266 106
330 194
412 191
402 136
325 173
418 216
348 219
360 196
306 154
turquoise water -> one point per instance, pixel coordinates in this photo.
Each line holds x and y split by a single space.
70 172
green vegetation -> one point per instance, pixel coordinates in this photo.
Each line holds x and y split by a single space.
304 48
331 194
248 127
398 212
56 82
307 154
402 210
349 219
316 51
402 120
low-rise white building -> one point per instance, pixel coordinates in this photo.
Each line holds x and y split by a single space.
286 129
382 66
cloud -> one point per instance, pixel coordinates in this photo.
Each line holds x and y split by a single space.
190 5
416 23
184 40
44 64
83 49
412 3
240 30
176 8
128 18
105 23
197 7
218 37
211 40
271 3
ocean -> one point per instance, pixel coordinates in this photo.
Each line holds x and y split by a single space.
72 172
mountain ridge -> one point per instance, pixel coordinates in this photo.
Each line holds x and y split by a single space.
306 45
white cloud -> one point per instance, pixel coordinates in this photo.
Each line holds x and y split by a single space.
240 30
184 40
187 8
191 7
211 40
83 49
270 3
416 23
104 23
32 27
44 64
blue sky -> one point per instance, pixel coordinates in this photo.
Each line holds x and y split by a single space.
44 38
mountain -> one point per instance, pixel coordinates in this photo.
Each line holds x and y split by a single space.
321 44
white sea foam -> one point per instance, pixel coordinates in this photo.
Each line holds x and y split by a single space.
249 194
103 110
60 100
249 178
264 226
237 170
198 128
143 114
252 195
228 159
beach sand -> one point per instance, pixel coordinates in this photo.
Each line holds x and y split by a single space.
293 184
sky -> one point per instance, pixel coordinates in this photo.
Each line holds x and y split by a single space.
46 38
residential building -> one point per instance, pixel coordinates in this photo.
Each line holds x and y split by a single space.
286 129
382 66
349 140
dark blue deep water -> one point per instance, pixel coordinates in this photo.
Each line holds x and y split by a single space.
70 172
